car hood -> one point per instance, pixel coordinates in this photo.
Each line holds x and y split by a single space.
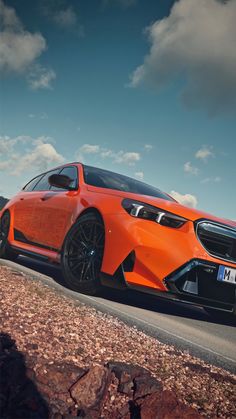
191 214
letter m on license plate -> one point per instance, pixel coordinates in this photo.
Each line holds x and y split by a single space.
226 274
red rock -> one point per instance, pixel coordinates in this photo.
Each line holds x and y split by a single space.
135 381
164 405
59 376
90 390
145 385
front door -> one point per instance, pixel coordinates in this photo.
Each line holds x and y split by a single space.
54 211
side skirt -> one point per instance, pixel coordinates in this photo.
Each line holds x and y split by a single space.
30 254
20 237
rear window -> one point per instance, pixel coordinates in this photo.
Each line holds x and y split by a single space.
106 179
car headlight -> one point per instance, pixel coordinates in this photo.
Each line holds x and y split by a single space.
148 212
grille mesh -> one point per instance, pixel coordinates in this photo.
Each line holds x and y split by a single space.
218 240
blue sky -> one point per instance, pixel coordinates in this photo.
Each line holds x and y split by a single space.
146 89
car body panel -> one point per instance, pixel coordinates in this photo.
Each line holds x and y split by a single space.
45 217
172 206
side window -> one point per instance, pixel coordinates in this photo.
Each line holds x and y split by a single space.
43 184
72 173
30 186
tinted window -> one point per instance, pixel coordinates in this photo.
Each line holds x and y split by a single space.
30 186
72 173
43 184
105 179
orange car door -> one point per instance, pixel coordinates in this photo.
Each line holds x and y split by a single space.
54 212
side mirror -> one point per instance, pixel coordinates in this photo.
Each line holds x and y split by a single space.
61 181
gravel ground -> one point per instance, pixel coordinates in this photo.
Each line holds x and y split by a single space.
50 327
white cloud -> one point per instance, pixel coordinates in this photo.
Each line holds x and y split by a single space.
42 156
188 168
197 40
65 18
107 153
42 115
204 153
18 47
148 147
121 157
8 18
89 149
215 179
39 153
139 175
41 78
185 199
7 143
4 165
129 158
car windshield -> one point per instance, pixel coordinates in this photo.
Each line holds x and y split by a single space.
106 179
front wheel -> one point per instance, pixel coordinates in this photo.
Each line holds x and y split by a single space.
5 250
82 254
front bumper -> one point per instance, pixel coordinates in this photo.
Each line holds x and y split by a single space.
196 283
171 263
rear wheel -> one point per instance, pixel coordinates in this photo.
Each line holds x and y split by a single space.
82 254
5 250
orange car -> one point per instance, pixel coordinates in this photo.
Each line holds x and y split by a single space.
108 229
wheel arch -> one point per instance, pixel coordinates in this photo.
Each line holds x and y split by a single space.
91 210
4 212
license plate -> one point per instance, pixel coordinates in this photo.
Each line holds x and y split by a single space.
226 274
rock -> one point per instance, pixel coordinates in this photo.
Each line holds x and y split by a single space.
135 381
57 390
164 405
121 368
19 397
145 385
60 376
90 391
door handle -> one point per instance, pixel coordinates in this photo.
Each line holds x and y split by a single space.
22 199
43 198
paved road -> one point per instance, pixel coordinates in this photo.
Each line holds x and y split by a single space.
186 327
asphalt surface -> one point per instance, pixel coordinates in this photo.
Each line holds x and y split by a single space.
187 327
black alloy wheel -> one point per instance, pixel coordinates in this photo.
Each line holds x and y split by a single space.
5 251
82 254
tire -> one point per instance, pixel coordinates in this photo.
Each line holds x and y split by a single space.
5 250
219 315
82 254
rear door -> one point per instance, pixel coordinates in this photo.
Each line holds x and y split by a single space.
54 210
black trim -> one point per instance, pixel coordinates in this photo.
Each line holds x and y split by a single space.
216 243
29 253
209 220
128 263
178 298
116 281
20 237
210 292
